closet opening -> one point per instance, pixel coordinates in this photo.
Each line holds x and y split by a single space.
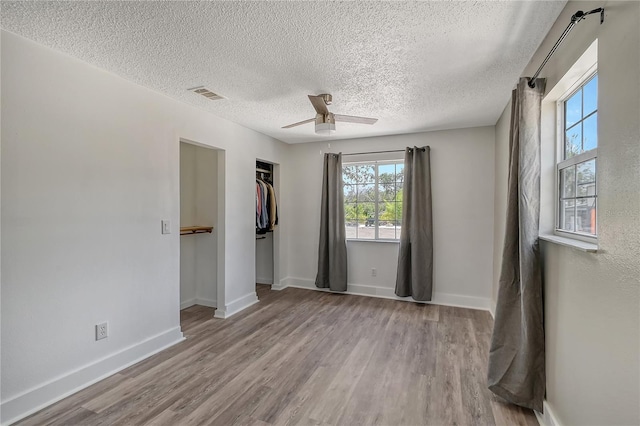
201 231
267 224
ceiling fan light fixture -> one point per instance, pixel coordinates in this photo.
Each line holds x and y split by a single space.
325 129
325 124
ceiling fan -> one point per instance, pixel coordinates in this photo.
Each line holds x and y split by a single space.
325 120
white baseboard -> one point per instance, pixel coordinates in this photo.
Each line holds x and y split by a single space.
211 303
548 418
35 399
280 286
237 305
446 299
187 303
264 280
492 309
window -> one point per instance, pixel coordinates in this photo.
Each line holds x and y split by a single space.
578 151
373 199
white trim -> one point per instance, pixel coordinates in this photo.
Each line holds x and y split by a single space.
211 303
237 305
280 286
492 308
45 394
384 241
548 418
187 303
570 242
445 299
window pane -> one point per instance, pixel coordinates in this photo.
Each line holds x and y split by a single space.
386 185
590 133
586 173
568 182
387 213
399 229
366 174
349 174
573 109
366 212
350 213
387 192
367 192
386 220
366 230
590 93
349 193
573 141
567 214
586 215
351 229
388 169
400 172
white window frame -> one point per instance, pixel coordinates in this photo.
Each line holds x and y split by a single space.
561 163
374 163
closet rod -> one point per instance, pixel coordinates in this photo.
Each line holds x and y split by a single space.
262 171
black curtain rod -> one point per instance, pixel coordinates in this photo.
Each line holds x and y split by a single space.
577 17
374 152
378 152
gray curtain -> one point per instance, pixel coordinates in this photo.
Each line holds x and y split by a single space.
516 358
415 257
332 251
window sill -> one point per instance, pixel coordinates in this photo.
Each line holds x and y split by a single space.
349 240
570 242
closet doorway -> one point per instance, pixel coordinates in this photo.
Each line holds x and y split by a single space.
201 228
267 234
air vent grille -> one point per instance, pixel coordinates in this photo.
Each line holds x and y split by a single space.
201 90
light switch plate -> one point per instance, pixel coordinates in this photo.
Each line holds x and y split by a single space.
166 227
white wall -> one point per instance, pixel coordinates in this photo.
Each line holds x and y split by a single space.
462 164
90 166
198 206
500 195
592 301
264 258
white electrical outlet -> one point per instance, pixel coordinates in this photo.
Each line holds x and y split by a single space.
102 330
374 273
166 227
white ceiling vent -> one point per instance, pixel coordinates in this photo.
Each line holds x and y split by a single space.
201 90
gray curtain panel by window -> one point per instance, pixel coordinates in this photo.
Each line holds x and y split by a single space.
332 251
415 256
516 357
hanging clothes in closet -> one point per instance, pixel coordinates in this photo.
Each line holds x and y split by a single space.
266 207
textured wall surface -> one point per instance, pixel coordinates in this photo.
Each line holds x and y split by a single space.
592 301
416 66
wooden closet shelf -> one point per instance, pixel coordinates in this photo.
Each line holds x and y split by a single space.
188 230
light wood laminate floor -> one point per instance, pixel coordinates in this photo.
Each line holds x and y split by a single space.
308 358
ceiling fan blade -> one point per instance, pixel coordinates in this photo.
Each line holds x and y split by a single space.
299 123
355 119
319 105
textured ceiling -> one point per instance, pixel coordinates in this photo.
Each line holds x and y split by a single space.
416 66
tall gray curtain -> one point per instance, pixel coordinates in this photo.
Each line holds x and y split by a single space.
332 251
516 359
415 257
